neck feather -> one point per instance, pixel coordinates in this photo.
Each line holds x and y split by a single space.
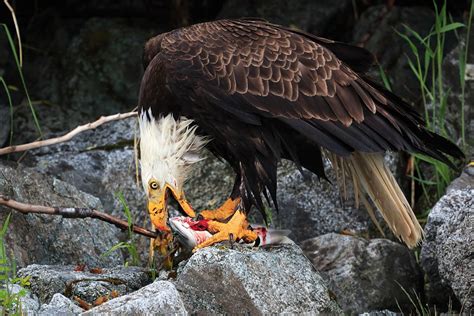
168 147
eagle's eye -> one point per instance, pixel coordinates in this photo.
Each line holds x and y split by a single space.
153 185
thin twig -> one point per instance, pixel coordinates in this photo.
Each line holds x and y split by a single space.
74 212
68 136
17 29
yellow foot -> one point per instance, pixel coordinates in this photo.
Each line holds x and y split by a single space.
222 213
234 230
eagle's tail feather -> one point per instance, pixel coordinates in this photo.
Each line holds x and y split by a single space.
370 174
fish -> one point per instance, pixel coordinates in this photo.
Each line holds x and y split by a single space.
191 232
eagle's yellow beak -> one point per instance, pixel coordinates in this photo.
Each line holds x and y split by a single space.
158 206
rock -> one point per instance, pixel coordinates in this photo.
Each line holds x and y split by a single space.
384 312
51 239
464 181
366 275
311 207
447 255
60 305
29 303
375 31
48 280
99 162
248 281
333 19
160 297
451 82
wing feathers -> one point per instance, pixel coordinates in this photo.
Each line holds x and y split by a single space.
257 69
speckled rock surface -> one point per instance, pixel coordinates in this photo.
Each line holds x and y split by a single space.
160 297
99 162
365 275
48 280
50 239
311 207
384 312
447 255
60 305
269 280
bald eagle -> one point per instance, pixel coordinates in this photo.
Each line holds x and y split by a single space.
253 93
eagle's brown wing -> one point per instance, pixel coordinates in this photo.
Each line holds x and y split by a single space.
255 69
267 87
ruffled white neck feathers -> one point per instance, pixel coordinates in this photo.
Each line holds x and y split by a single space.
167 148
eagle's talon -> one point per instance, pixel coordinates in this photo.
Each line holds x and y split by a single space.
234 230
223 212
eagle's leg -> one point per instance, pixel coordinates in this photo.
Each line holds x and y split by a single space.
237 228
229 207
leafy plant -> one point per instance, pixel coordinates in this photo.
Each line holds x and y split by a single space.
129 245
427 66
10 301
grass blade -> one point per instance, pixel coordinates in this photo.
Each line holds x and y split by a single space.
10 105
22 78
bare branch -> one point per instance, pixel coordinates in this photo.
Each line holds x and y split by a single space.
74 212
68 136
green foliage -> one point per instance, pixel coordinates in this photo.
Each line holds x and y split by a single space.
385 79
129 245
10 302
426 64
23 82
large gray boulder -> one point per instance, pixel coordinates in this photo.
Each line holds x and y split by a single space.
249 281
47 239
60 305
447 255
366 275
49 280
160 297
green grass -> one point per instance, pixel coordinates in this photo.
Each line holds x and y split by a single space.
129 246
10 105
426 64
10 302
23 83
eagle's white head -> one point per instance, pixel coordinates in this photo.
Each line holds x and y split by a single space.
168 147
